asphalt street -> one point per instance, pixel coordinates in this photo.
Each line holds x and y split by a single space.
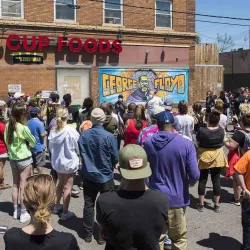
206 230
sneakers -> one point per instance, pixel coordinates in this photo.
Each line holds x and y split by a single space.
200 207
216 208
235 202
17 213
57 209
25 217
75 193
68 215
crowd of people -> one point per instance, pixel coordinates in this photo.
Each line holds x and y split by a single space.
159 151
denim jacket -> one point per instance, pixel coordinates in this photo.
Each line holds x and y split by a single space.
98 149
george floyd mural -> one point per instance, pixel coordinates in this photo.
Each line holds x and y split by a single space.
135 84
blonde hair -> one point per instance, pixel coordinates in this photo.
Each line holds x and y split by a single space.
39 197
61 117
219 105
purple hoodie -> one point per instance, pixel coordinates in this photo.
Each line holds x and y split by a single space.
174 166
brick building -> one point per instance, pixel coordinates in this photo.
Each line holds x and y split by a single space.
157 39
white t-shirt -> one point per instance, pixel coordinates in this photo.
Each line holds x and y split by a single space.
154 102
223 121
186 125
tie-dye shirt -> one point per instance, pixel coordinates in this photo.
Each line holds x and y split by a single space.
145 133
149 131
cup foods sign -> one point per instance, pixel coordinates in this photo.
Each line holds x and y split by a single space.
91 45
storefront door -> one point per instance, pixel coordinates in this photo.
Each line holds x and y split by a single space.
74 82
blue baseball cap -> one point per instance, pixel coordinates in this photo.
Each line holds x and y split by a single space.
35 110
165 117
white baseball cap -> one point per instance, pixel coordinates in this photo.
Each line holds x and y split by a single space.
18 95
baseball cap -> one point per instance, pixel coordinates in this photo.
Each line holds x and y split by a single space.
35 110
168 104
18 95
156 111
133 162
165 117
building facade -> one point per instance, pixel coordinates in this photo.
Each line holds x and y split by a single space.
237 69
98 49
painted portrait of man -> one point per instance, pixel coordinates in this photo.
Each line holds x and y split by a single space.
140 95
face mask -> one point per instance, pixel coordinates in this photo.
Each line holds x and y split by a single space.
120 100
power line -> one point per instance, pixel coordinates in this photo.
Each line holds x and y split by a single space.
150 8
173 11
136 13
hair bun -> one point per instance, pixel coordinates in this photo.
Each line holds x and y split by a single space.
42 216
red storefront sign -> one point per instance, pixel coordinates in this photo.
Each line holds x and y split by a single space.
76 45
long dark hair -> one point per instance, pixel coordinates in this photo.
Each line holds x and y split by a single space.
139 116
18 114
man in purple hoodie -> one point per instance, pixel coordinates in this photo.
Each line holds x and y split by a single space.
174 168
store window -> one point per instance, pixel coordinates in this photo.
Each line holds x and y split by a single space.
11 8
113 12
63 11
163 14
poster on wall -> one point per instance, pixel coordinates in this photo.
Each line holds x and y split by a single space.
135 84
13 88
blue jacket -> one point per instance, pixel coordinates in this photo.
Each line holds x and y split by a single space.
174 166
99 154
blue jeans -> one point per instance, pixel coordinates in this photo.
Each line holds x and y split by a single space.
246 224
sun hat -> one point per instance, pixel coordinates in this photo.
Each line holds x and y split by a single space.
133 163
156 111
17 95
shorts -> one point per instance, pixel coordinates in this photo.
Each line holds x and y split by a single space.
39 159
21 164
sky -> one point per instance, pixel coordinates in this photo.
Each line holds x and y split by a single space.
208 31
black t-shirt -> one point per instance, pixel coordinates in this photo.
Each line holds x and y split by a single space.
209 138
239 137
120 108
17 239
73 115
133 219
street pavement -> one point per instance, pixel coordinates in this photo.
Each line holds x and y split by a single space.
206 230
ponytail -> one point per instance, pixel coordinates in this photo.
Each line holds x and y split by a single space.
139 117
61 117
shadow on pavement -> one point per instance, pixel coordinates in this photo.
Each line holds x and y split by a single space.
226 183
6 207
194 201
218 242
225 198
76 224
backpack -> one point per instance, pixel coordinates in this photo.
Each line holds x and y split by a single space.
200 123
246 145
